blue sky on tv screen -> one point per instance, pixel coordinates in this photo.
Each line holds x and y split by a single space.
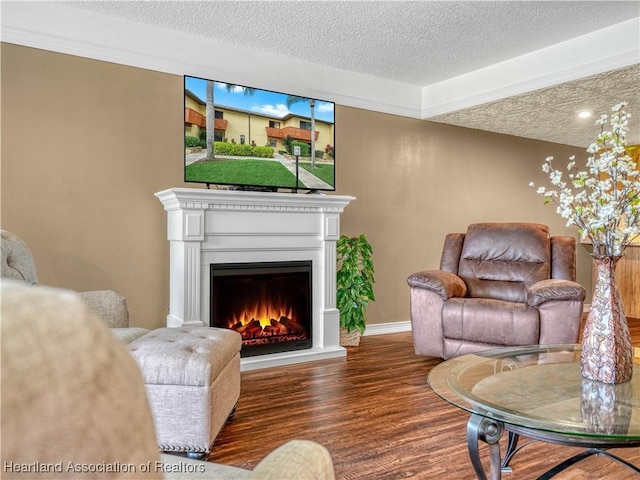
260 101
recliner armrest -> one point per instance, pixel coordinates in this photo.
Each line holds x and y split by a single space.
445 284
554 290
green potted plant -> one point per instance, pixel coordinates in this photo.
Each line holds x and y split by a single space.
354 286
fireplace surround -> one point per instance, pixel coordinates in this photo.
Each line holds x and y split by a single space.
212 227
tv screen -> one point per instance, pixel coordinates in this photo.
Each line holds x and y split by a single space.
254 139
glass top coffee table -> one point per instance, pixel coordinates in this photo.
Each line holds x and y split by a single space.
539 392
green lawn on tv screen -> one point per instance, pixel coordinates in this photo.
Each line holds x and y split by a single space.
241 172
323 171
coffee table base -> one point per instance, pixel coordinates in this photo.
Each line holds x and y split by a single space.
489 431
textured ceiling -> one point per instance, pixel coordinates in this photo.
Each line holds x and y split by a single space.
417 43
551 113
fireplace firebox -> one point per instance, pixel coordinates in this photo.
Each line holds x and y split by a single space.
268 303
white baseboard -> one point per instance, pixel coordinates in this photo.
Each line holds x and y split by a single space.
586 307
384 328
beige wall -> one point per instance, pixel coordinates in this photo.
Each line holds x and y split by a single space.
86 144
415 181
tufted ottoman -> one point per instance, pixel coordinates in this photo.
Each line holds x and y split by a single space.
192 377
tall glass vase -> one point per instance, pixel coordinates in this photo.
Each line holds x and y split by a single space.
607 353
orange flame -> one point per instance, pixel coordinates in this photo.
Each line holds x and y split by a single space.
262 310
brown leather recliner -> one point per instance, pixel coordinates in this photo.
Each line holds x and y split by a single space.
500 284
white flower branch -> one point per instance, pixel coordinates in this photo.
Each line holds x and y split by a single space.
603 201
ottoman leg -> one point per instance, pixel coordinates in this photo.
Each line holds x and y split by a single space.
197 455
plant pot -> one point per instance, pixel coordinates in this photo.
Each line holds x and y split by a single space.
349 339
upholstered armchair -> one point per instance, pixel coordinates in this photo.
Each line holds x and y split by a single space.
499 284
109 306
74 403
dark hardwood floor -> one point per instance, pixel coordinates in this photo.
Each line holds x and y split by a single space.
380 420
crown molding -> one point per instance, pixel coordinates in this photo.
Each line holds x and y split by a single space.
56 27
59 28
604 50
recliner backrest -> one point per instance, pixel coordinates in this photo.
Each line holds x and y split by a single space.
563 257
500 260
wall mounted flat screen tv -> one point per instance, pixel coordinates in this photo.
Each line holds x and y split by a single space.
254 139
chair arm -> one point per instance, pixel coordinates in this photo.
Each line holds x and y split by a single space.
554 290
109 306
17 261
445 284
294 460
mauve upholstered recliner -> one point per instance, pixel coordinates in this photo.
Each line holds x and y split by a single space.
499 284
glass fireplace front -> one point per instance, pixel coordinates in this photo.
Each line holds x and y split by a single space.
268 303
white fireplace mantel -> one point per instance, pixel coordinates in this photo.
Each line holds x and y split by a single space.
228 226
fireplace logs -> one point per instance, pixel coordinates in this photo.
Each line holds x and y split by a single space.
253 330
276 327
249 330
